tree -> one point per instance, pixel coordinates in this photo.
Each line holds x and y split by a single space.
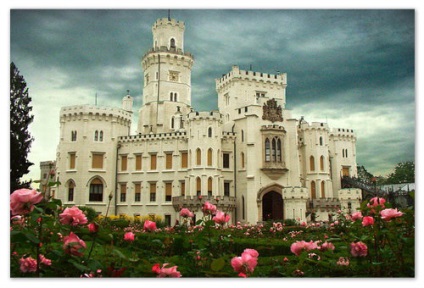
363 175
20 138
404 173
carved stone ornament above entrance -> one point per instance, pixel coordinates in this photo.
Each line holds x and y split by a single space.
272 111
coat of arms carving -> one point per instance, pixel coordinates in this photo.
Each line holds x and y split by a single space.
272 111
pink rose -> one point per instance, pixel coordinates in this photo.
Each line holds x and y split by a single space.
129 236
73 216
72 244
221 217
376 202
93 227
367 221
22 201
246 263
389 214
358 249
28 264
343 261
44 260
299 246
208 208
357 215
327 246
185 212
166 272
149 226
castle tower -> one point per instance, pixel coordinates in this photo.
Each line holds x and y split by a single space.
167 78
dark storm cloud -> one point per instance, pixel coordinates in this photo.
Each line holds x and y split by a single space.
349 64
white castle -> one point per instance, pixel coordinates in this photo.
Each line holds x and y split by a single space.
250 158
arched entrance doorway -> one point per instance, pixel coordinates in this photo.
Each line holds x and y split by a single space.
272 206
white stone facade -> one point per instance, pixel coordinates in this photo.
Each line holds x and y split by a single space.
250 157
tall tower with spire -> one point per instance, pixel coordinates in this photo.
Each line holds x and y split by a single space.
167 79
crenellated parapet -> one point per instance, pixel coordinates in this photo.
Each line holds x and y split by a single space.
151 137
168 22
295 192
212 115
249 76
350 194
90 112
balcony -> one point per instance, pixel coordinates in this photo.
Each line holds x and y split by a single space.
274 170
195 203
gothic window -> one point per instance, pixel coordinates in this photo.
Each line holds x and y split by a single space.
321 163
172 43
71 187
312 163
274 150
210 157
198 156
96 135
210 132
198 186
242 135
267 150
73 135
101 136
279 157
346 153
210 187
313 190
96 190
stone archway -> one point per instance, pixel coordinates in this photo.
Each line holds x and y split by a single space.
272 206
270 203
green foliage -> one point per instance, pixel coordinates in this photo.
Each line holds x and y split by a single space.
404 172
20 138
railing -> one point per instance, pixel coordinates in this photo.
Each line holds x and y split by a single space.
368 190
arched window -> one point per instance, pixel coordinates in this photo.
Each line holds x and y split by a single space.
101 136
210 157
96 135
346 152
172 43
321 163
71 190
322 189
279 157
96 190
73 135
198 156
320 141
210 187
175 97
312 163
171 96
313 190
210 132
198 186
267 150
274 150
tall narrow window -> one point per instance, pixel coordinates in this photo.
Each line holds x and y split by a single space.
72 158
210 157
227 189
320 141
172 122
274 150
73 135
242 159
123 196
210 132
124 161
321 163
168 160
171 96
322 189
346 153
101 136
96 190
198 156
312 163
168 192
279 157
138 162
313 190
267 150
96 135
184 159
343 154
242 135
153 162
97 160
198 186
210 187
71 187
153 192
172 43
182 188
226 160
243 208
137 192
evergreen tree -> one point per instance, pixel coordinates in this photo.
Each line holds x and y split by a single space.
20 138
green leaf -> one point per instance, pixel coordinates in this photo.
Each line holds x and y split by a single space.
79 266
32 238
119 253
217 264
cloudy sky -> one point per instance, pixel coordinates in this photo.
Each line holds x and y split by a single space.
351 68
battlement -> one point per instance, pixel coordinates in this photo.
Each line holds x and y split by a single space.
165 21
176 51
236 73
350 194
341 132
295 192
273 127
204 115
80 110
151 137
314 126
